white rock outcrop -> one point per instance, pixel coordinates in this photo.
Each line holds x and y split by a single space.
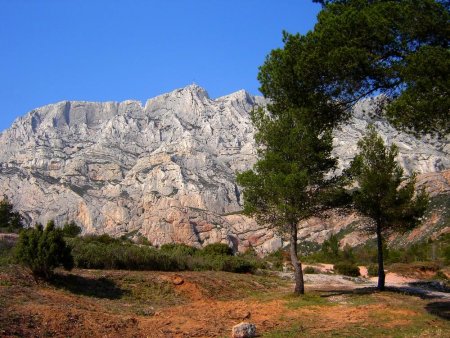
165 170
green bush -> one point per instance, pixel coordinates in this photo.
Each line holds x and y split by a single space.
441 275
275 259
220 249
6 252
446 255
179 249
329 252
10 220
42 250
309 270
367 253
142 240
104 239
238 265
347 254
100 252
347 269
71 230
372 270
330 247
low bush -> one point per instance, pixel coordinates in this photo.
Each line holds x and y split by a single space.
372 270
6 252
105 239
10 221
101 253
239 265
309 270
275 259
179 249
142 240
440 275
220 249
104 252
347 269
71 230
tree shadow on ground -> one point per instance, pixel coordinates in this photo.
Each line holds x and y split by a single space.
358 291
88 286
410 290
413 290
440 309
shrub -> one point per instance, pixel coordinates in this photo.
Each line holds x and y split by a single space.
372 270
330 247
238 265
100 252
447 254
217 249
179 249
441 275
309 270
91 254
6 251
71 230
249 253
10 221
142 240
347 269
347 254
43 250
105 239
275 259
227 263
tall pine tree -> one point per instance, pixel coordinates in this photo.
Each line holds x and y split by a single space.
362 48
288 183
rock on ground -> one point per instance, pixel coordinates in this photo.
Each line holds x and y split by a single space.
243 330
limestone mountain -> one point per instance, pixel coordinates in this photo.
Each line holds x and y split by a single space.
165 170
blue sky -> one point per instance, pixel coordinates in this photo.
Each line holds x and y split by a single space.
113 50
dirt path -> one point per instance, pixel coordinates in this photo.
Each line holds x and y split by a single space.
394 281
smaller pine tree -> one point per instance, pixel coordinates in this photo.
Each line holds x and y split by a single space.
43 250
384 194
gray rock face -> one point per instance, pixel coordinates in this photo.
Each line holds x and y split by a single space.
165 170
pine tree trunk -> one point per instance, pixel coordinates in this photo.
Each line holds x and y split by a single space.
381 276
298 273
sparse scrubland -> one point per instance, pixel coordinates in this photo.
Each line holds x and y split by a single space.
105 295
205 304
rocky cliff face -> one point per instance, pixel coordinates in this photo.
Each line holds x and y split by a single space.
165 170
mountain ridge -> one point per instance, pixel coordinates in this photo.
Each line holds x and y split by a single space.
165 169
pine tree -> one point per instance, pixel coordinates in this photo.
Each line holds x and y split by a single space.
361 48
288 183
383 193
